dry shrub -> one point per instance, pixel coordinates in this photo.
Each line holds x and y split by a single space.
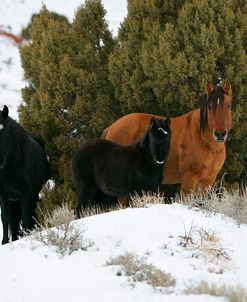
230 203
232 293
207 243
139 271
59 230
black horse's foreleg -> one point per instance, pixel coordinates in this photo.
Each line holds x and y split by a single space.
86 194
5 216
15 212
28 214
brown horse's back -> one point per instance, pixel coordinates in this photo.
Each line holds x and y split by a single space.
128 128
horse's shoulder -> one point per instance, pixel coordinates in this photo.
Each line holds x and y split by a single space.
188 116
183 125
33 138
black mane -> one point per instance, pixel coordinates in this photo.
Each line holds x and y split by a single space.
209 100
19 138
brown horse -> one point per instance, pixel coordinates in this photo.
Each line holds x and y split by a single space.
197 148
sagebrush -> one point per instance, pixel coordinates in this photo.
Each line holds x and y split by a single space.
232 293
60 231
139 271
231 203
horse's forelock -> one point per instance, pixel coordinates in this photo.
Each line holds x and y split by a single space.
213 99
216 97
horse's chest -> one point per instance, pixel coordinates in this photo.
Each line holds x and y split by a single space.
11 182
189 155
146 178
212 166
204 164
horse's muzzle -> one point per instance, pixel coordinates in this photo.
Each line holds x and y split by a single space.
220 136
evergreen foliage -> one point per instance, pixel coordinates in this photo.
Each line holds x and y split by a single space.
26 34
138 36
68 98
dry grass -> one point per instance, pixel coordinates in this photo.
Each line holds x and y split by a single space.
230 203
233 294
96 210
58 230
136 201
140 271
145 199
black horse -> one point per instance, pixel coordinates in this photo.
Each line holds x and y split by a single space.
24 169
100 166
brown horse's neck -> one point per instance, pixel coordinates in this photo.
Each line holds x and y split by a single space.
206 136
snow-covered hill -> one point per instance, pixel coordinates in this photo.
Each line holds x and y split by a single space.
215 253
15 15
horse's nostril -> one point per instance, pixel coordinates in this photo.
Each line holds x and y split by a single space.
220 135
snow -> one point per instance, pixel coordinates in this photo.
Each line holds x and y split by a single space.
15 15
40 274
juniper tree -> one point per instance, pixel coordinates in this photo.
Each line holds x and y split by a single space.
26 34
94 106
138 36
68 97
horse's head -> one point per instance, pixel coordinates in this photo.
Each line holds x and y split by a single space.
215 111
159 138
4 136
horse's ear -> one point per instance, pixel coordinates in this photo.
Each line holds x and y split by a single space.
209 88
5 111
152 120
226 87
168 120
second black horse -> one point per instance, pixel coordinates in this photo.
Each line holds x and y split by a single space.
100 166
